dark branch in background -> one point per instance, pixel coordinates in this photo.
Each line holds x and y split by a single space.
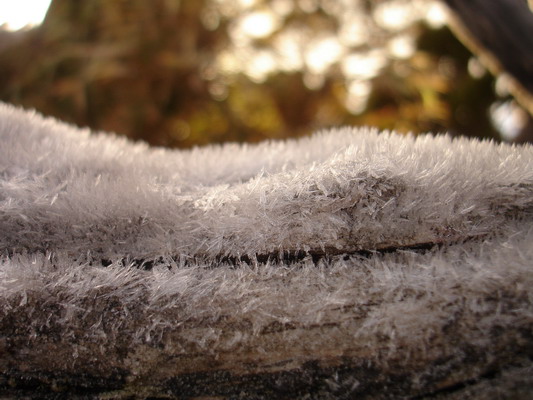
500 33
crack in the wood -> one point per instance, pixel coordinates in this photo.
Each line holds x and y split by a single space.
287 257
458 386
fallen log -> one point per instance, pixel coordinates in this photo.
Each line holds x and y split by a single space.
351 264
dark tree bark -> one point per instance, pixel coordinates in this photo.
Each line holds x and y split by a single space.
500 32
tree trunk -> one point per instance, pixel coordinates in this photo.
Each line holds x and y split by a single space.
500 32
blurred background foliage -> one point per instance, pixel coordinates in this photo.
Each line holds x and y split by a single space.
180 73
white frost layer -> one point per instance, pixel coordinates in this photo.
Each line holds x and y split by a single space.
64 189
407 296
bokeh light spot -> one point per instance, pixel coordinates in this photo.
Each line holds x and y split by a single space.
18 14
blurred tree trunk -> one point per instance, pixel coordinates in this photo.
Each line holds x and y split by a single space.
500 32
130 67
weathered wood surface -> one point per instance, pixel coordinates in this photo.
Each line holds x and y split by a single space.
226 357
